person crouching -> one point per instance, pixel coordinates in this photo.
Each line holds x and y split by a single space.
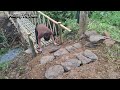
41 31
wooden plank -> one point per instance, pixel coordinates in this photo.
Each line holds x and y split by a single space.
28 28
19 22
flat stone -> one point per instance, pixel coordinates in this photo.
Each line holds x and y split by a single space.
60 52
70 48
77 45
54 71
83 59
54 49
70 64
109 42
29 51
46 59
96 38
89 54
91 45
89 33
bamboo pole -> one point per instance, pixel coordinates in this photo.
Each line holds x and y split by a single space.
47 17
32 47
54 21
60 31
65 27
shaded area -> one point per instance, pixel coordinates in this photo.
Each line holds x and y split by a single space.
10 55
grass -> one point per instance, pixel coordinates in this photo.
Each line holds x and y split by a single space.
3 69
3 51
101 27
4 65
112 53
71 23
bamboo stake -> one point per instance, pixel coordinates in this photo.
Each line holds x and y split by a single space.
60 31
32 47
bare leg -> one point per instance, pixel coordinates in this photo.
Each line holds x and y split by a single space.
39 43
36 34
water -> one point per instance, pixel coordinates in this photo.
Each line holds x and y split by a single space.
10 55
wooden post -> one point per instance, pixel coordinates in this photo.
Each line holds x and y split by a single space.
83 22
32 46
60 32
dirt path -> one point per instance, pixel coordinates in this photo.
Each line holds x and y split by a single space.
17 67
100 69
24 67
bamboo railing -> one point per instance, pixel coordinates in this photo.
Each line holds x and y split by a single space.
38 17
55 26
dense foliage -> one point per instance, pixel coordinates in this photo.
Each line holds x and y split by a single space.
106 21
68 19
1 38
108 17
99 20
71 23
61 16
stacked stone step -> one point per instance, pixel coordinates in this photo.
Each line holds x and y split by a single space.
81 58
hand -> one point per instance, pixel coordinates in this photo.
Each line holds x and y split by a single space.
55 43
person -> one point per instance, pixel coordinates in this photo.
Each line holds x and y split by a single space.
41 31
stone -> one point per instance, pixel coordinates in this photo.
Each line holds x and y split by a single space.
70 48
83 59
109 42
106 34
91 45
89 54
70 64
46 59
77 45
54 71
60 52
9 24
54 49
89 33
29 51
96 38
67 68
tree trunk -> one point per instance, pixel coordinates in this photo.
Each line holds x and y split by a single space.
83 22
